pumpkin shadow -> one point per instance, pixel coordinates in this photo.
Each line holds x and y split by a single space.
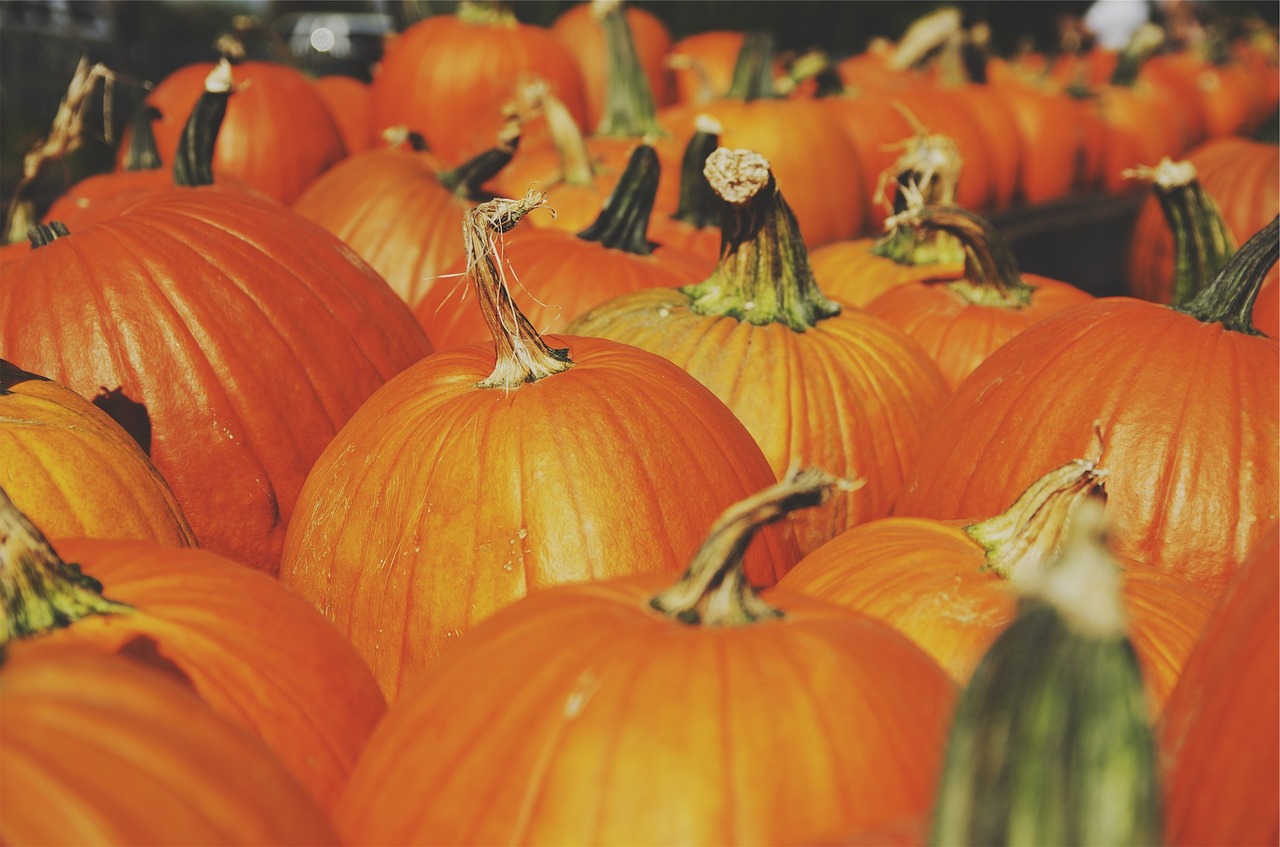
130 414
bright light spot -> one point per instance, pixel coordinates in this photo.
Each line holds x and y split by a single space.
322 39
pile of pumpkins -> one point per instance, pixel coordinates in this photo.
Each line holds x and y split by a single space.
541 445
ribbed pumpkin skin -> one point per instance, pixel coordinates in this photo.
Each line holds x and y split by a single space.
255 653
440 502
96 749
926 579
73 471
448 80
958 334
1218 735
391 208
635 729
248 333
560 276
1187 413
849 272
350 104
852 395
276 137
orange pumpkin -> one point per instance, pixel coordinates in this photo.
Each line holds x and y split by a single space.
75 471
655 719
256 654
702 65
350 104
95 749
595 455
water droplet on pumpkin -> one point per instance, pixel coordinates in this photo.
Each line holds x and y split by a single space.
523 533
508 567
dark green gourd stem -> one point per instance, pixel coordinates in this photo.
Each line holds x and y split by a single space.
763 275
1230 297
465 180
1142 46
141 154
629 110
42 234
1203 243
714 590
699 206
753 71
193 161
623 223
991 275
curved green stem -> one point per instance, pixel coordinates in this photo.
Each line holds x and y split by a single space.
141 154
753 71
699 206
193 161
629 111
623 223
465 180
1229 299
1142 46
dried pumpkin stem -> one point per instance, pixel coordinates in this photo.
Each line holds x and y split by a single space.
535 97
714 590
763 275
1144 43
38 591
699 206
927 173
522 355
1031 531
623 222
1229 299
629 110
991 276
465 180
193 161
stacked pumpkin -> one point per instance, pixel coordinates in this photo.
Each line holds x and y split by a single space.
557 588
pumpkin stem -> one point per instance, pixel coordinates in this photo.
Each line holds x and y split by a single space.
763 275
1144 43
991 276
1203 242
683 62
38 591
623 222
753 71
1229 299
141 154
535 96
714 590
812 65
42 234
1033 528
925 36
629 111
699 206
486 13
193 161
522 355
465 180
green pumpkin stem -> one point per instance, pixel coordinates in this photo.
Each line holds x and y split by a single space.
623 222
714 590
991 276
486 13
466 179
1229 299
1033 529
38 591
1142 46
763 275
629 110
42 234
534 97
699 206
141 154
522 355
193 161
753 71
1202 241
813 65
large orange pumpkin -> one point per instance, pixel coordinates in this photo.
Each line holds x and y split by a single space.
96 749
247 334
75 471
465 484
255 653
814 383
636 711
350 104
1186 403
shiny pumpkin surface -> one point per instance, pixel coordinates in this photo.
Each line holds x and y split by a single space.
582 716
441 502
247 334
849 272
97 749
73 471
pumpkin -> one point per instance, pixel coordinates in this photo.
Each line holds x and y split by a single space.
276 137
448 77
97 749
75 471
488 472
695 224
1186 403
1218 734
638 711
950 586
400 210
562 275
256 654
247 334
350 104
702 65
962 321
814 383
